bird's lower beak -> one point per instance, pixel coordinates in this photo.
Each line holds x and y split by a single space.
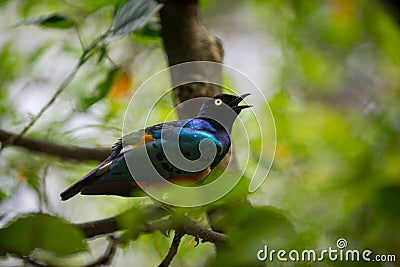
237 100
235 103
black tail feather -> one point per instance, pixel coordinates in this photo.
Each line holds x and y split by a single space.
72 191
77 187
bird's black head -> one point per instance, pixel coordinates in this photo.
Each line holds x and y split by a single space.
232 101
223 108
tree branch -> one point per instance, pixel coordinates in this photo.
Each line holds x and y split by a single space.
186 39
110 225
53 149
206 235
189 227
172 250
100 227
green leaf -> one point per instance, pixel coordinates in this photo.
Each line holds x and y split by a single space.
130 220
249 229
386 200
102 53
2 196
3 1
118 5
102 89
41 231
150 33
151 30
133 16
56 20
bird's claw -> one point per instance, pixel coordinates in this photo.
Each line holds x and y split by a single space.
197 240
168 233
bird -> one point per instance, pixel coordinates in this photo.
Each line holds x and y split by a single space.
214 122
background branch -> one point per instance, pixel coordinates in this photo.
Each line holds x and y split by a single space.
54 149
108 255
186 39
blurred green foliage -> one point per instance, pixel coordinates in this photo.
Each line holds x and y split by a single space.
337 167
40 231
51 21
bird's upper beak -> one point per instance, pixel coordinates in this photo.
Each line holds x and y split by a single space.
234 104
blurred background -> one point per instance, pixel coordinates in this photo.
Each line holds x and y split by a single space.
330 71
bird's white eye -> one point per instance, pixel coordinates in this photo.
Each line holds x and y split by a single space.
218 102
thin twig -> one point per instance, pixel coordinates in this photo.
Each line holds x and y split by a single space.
108 255
43 199
173 249
86 55
60 89
206 235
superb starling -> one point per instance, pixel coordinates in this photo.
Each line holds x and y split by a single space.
213 122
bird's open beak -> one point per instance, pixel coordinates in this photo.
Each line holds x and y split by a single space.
235 103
